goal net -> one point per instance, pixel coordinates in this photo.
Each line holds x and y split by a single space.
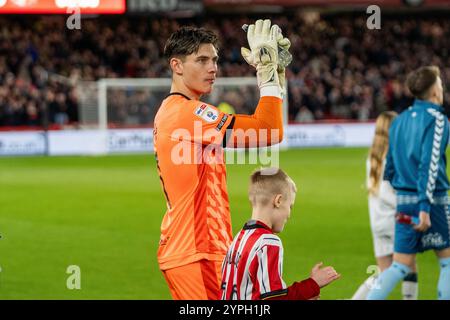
133 103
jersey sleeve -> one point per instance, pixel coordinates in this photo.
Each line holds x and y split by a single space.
261 129
433 148
304 290
270 270
202 123
270 275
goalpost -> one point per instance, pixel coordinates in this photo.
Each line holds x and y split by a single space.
129 101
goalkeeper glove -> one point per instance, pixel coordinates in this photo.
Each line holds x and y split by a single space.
263 54
284 44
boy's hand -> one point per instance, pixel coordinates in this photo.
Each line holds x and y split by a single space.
323 276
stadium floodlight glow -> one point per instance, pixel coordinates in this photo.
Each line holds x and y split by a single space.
61 6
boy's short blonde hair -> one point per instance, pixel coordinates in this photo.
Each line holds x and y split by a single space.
265 183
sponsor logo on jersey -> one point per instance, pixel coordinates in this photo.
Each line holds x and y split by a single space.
207 113
199 111
222 122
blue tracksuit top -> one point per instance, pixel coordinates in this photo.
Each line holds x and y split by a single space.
416 161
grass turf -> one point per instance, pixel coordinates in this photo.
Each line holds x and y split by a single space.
103 214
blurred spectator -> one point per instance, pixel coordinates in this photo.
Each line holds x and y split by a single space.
304 115
227 108
340 68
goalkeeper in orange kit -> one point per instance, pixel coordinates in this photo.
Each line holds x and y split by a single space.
189 137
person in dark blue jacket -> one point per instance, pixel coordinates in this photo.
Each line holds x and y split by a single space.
416 168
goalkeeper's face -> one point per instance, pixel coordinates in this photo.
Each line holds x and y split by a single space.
199 69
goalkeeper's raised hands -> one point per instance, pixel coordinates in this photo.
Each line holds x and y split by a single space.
268 53
284 44
263 53
262 39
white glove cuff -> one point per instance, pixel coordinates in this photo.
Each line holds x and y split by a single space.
271 91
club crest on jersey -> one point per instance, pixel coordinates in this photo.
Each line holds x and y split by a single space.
207 113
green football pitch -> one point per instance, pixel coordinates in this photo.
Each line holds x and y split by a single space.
103 215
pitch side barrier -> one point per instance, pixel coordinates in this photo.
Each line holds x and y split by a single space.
140 140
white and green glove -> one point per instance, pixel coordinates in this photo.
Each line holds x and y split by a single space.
263 55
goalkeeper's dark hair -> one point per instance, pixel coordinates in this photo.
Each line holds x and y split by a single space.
420 81
187 40
268 182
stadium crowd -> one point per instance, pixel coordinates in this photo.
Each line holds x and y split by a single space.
341 69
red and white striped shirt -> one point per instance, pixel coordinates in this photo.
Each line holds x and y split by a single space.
253 268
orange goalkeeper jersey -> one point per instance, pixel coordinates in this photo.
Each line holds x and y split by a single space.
188 138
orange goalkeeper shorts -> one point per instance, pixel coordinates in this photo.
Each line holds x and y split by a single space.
195 281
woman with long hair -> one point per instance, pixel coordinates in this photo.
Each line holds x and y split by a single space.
382 209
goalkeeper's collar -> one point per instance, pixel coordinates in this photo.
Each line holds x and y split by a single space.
178 94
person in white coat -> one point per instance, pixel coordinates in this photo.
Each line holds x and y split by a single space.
382 209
